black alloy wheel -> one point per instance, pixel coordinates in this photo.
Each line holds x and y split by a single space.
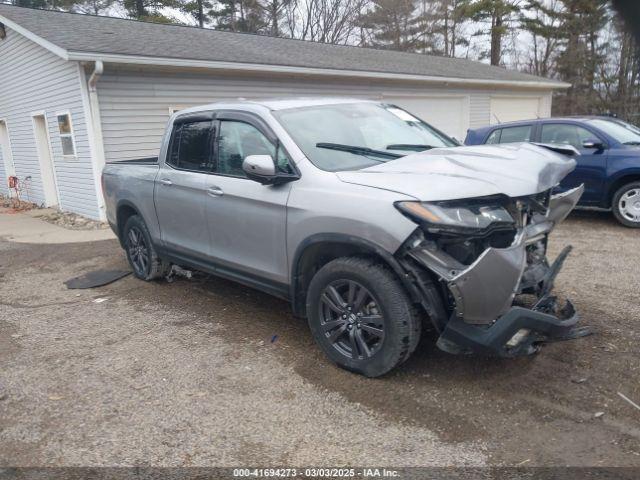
351 319
138 251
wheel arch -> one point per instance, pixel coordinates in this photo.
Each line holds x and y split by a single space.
619 181
319 249
124 211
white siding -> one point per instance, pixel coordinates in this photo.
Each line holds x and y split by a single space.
32 80
134 103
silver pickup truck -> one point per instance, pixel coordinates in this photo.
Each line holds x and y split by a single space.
372 223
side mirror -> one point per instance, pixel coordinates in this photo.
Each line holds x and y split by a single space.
260 168
593 143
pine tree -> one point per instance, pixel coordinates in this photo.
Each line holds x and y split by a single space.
274 13
393 24
200 10
543 20
501 16
149 10
451 16
239 16
582 21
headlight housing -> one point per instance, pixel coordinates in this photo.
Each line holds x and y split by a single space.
457 216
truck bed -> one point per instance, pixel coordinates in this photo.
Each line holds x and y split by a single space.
131 182
136 161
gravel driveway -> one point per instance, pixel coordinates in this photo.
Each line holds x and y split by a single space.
207 372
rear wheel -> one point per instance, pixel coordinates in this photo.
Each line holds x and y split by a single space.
141 254
626 205
361 316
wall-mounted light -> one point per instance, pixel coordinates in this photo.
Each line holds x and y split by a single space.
3 32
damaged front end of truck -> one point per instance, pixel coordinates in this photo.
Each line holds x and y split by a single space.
481 268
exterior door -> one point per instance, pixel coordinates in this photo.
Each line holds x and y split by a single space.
592 163
5 152
180 189
47 173
247 220
449 114
512 109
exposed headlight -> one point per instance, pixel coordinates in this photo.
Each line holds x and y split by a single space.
454 216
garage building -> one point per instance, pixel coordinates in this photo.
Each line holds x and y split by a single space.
79 90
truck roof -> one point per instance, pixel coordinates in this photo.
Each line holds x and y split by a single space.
277 103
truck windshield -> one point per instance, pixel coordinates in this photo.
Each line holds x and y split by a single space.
347 136
623 132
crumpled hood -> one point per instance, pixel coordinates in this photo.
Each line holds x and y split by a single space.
516 170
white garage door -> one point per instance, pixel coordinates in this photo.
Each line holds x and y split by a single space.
449 114
510 109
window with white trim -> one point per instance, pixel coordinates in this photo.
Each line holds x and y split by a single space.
66 135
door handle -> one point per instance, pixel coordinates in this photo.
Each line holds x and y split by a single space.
215 191
166 181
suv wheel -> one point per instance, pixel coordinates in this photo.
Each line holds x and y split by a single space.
141 254
626 205
361 316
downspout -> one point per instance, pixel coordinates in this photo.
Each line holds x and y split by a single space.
98 70
94 124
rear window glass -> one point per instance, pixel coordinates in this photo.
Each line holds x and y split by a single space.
191 147
516 134
494 137
510 135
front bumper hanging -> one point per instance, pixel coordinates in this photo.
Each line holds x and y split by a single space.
520 331
484 318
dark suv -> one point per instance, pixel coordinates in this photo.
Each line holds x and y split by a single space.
609 164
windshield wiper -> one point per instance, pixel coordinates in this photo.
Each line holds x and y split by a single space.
633 143
358 150
411 147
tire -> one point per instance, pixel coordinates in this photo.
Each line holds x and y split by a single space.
626 205
137 244
356 303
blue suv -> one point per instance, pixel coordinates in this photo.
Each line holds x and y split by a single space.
609 161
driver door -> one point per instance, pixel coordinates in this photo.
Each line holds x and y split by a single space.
247 220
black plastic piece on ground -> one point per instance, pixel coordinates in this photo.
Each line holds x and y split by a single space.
97 278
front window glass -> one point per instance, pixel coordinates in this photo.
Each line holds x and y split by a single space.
621 131
369 125
238 140
565 134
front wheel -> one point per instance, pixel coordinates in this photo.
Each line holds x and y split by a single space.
626 205
361 316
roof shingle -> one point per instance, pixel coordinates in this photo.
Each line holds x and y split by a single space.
108 35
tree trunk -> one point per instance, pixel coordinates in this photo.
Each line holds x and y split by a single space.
496 40
274 18
141 12
200 14
446 29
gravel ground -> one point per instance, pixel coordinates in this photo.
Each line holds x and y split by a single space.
210 373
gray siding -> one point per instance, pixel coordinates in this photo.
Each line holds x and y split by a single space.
33 79
4 188
134 103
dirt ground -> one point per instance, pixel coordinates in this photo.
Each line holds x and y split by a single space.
203 373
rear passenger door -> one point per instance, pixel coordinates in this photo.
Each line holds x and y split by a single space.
180 189
247 220
591 163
